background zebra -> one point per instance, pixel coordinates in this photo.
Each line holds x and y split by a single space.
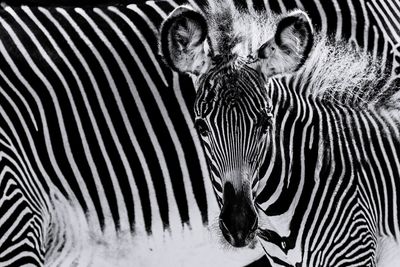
93 169
93 126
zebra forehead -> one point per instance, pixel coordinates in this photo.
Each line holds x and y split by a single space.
238 32
233 87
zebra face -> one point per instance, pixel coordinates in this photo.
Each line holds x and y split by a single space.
233 118
232 108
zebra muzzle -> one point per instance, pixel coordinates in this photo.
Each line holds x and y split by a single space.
238 220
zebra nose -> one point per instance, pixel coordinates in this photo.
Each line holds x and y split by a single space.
238 226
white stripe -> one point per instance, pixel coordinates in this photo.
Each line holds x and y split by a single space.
373 178
144 42
212 204
18 93
324 19
66 145
193 209
156 219
339 18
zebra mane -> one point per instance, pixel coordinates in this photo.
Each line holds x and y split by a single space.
229 28
335 70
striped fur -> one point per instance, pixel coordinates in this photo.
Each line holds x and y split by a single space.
100 162
52 211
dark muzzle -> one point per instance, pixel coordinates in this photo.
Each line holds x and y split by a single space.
238 219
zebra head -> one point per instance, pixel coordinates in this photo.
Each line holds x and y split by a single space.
232 108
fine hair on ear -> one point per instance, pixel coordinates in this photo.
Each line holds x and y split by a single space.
183 39
290 47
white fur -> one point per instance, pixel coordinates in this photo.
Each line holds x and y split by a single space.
246 32
84 246
338 72
388 252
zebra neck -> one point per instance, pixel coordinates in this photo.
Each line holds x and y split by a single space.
303 166
291 170
323 166
296 149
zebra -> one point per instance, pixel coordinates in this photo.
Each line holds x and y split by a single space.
301 135
80 164
89 143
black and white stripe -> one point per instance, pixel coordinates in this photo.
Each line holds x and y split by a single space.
89 116
335 169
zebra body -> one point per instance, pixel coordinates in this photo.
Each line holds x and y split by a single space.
93 169
338 198
308 161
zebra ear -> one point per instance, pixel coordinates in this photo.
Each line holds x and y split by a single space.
289 48
183 40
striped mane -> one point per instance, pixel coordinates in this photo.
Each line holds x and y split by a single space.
338 72
335 71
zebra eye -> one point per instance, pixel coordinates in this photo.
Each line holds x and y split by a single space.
264 123
202 127
264 128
